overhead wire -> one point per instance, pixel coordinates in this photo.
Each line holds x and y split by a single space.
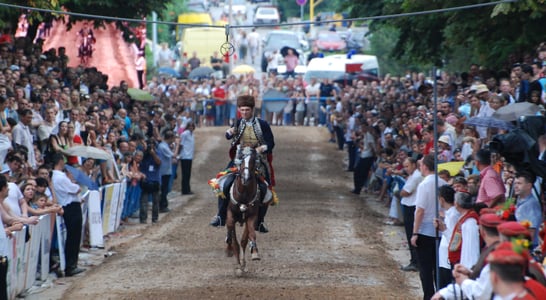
300 23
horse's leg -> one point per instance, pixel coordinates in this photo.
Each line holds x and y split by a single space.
230 226
244 243
250 222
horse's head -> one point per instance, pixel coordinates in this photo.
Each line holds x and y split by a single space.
247 165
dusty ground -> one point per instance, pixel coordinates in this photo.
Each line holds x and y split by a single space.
324 243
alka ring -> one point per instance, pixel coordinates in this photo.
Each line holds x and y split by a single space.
227 49
242 208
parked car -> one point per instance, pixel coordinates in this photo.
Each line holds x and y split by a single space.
330 41
237 6
198 5
276 39
267 15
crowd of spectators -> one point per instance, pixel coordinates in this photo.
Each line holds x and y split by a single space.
385 126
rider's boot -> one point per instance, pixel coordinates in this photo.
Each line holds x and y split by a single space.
260 225
220 218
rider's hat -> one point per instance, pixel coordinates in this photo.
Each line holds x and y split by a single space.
245 101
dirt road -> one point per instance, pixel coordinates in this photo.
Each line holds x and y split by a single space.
324 243
112 55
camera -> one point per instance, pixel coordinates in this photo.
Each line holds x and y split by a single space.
519 147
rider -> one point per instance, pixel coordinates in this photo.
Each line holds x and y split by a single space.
249 130
86 34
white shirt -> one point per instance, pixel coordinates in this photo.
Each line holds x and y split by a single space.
21 135
451 218
369 144
187 142
426 200
13 198
4 242
470 249
410 187
274 62
479 289
253 39
65 190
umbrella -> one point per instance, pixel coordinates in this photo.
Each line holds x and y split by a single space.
88 152
169 71
139 95
489 122
243 69
200 72
284 51
512 112
82 178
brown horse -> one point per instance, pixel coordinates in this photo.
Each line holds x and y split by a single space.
243 208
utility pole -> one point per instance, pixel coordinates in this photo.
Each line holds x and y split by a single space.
312 4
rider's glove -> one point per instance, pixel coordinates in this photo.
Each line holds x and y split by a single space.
261 149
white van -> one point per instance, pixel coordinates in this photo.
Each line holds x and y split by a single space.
336 66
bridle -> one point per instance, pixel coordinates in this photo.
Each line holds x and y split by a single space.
246 177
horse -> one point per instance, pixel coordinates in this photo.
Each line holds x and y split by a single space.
243 208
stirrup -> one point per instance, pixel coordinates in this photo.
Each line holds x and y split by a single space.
268 197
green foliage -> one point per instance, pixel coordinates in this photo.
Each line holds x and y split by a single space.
131 9
169 13
492 36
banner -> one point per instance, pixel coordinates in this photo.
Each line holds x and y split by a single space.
95 220
47 223
107 194
32 253
61 239
121 201
112 225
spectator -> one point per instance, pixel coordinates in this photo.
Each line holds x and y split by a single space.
527 205
424 233
491 191
23 137
166 156
366 144
150 182
187 145
67 193
408 194
464 246
474 282
445 224
9 225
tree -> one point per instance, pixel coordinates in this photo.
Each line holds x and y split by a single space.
130 9
494 36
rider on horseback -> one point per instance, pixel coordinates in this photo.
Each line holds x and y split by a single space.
249 130
87 39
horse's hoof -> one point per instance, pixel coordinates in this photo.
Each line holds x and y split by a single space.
255 256
239 272
229 253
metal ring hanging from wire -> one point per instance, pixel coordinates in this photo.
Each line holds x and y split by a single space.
227 48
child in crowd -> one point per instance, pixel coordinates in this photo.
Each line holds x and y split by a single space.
39 206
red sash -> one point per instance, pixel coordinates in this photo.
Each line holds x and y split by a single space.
456 241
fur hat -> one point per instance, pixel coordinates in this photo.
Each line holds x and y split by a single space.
245 101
